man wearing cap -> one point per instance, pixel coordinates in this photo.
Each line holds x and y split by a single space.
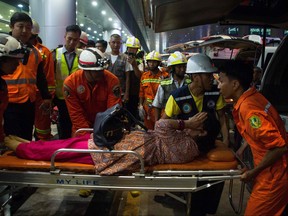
185 102
10 56
42 114
90 90
177 63
199 96
66 62
149 83
23 83
82 44
133 45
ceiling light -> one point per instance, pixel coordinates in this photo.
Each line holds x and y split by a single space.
20 5
95 32
81 24
123 32
100 34
97 38
11 11
89 29
94 3
110 19
103 12
0 29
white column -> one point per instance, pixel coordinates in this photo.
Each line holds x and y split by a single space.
53 16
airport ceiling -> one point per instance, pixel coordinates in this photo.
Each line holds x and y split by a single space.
95 17
173 20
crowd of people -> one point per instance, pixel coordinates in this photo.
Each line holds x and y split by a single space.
174 102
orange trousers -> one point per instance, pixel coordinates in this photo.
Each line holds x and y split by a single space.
42 121
149 120
268 198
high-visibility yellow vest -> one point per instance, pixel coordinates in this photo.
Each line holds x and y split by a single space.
62 70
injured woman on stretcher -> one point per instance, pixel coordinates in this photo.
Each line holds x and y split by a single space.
165 144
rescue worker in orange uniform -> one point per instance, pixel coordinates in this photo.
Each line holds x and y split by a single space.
261 126
149 83
10 55
42 116
90 90
23 83
82 44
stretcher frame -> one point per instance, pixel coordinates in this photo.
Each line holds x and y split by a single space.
155 180
158 180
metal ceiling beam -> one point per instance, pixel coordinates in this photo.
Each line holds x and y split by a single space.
123 11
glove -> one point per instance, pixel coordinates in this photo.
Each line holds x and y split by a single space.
141 112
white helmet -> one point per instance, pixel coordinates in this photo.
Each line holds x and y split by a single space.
92 59
84 38
176 58
36 28
10 47
200 63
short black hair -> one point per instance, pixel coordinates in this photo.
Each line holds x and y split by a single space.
74 28
103 42
91 43
20 17
239 70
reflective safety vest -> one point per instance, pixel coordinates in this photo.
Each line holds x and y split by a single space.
22 83
187 105
62 70
169 85
118 68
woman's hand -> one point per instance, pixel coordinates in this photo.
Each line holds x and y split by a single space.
196 122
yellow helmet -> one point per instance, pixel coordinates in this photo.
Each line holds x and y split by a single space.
153 56
176 58
133 42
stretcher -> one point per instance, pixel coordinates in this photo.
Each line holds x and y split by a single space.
217 166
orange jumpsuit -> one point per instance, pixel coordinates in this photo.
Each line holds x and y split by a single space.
260 124
85 101
42 119
148 88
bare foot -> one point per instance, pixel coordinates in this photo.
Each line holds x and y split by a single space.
11 143
18 138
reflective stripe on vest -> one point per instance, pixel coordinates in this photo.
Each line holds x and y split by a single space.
151 81
62 71
22 83
268 105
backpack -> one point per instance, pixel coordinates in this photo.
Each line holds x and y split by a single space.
110 125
